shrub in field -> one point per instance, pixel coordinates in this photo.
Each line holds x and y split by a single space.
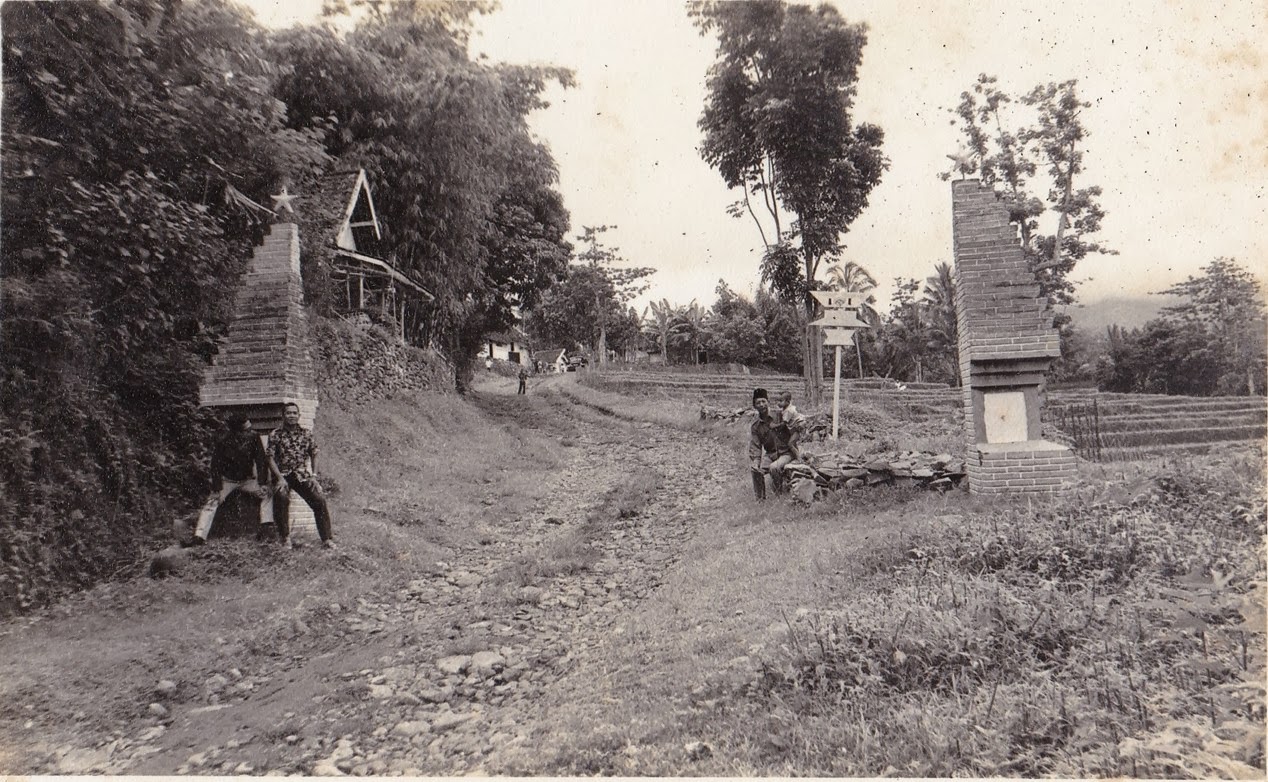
1087 638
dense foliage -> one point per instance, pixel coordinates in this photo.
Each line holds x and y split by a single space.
465 193
140 140
778 124
1211 343
588 309
127 128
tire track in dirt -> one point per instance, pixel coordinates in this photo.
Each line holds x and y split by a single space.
458 672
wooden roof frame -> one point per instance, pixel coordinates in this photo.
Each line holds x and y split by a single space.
360 188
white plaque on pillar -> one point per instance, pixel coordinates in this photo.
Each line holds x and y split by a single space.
1004 416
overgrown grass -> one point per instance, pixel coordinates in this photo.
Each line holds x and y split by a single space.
1073 640
1118 631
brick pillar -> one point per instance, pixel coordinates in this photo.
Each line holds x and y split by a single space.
1006 345
264 361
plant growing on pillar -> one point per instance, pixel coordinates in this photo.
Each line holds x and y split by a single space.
777 125
1037 167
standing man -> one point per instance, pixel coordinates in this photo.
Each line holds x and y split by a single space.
239 463
523 389
767 446
293 449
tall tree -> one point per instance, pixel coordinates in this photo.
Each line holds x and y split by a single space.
1036 164
626 282
466 195
1224 303
591 300
777 125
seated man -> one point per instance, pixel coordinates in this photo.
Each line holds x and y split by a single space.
768 447
238 464
294 451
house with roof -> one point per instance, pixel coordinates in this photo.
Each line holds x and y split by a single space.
552 359
372 284
510 345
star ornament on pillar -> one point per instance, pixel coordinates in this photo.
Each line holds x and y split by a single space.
282 201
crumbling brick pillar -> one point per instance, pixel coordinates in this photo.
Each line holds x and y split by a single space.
265 362
1007 343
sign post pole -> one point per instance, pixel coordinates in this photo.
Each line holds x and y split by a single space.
840 322
836 397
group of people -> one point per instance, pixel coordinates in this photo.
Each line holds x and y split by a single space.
773 439
289 464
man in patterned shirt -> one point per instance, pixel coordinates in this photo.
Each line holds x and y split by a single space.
293 449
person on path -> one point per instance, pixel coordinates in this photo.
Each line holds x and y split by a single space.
295 453
523 389
767 447
237 464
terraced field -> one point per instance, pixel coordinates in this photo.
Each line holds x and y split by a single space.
1118 427
1102 426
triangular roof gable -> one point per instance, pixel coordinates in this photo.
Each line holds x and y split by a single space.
358 212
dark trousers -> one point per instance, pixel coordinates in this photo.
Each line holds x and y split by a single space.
759 485
523 389
311 493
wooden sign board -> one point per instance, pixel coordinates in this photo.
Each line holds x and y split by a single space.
840 318
838 336
831 300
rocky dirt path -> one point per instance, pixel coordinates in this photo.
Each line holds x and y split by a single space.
461 670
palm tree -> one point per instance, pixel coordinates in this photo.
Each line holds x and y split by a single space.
662 322
850 276
939 294
690 325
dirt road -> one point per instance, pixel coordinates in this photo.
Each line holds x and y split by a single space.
491 661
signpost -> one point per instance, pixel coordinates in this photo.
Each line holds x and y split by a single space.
840 322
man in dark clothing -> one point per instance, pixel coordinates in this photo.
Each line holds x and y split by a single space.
238 464
523 389
294 451
767 447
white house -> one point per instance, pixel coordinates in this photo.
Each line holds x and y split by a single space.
509 346
556 359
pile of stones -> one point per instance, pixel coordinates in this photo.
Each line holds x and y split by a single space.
818 475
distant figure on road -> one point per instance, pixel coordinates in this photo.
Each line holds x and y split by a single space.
488 365
523 389
767 447
238 464
293 449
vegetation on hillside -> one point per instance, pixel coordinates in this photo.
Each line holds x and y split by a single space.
140 141
1211 343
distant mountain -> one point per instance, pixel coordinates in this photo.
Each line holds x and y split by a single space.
1093 317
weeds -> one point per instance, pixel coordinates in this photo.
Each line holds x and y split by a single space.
1080 639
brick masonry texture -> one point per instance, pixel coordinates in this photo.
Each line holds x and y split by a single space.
1001 318
265 357
1001 315
1044 471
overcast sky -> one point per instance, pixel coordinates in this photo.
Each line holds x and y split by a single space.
1178 128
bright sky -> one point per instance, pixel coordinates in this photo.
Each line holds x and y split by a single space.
1178 128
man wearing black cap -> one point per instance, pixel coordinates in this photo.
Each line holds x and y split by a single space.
768 442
